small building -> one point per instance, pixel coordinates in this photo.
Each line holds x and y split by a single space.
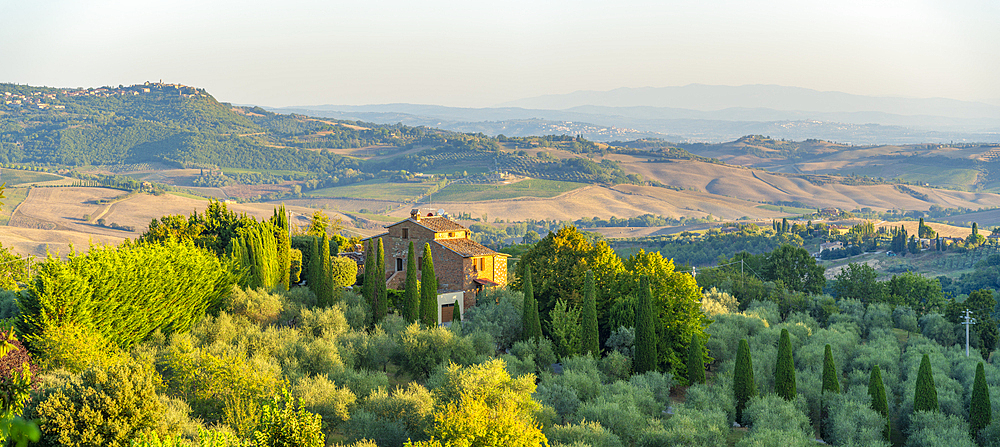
835 245
464 267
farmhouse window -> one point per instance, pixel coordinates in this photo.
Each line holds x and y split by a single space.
406 233
399 264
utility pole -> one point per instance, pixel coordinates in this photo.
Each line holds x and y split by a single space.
969 321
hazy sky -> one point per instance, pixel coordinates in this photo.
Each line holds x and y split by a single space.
469 53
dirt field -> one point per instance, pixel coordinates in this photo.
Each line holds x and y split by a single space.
52 218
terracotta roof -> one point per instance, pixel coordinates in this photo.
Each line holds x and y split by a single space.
436 224
467 247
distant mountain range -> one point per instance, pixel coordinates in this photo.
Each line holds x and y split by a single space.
703 113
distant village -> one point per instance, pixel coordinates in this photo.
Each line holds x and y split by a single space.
50 100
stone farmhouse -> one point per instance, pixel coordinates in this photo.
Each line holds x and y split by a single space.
464 268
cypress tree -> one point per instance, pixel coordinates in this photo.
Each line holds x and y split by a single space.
645 330
695 361
784 368
980 413
381 294
325 296
830 382
876 390
925 396
456 314
590 341
411 306
280 221
744 386
975 229
532 326
316 268
368 289
428 289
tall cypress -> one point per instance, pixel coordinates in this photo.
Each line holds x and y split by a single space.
315 268
590 341
428 289
784 368
744 386
830 382
368 289
532 325
695 361
645 330
381 294
980 412
876 390
325 296
280 222
456 312
925 396
411 296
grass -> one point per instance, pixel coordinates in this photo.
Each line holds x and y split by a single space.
13 198
13 177
943 176
524 188
787 209
184 194
377 189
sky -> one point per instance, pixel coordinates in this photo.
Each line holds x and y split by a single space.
478 54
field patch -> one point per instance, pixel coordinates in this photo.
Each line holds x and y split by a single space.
377 189
14 177
787 209
524 188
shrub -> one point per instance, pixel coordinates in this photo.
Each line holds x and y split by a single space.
541 352
413 406
853 422
423 349
258 305
934 429
623 341
283 423
320 395
689 427
615 366
327 323
497 313
903 317
587 433
365 425
620 415
560 397
78 414
343 271
775 421
715 302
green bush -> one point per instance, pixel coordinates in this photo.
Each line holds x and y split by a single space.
413 406
586 433
541 352
497 313
615 366
383 432
934 429
322 396
771 415
559 397
852 421
79 413
690 427
618 414
258 305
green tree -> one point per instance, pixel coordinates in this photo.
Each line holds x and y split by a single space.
590 342
318 224
830 382
695 361
411 305
565 329
744 386
529 315
315 277
879 403
428 289
280 222
859 281
784 368
381 294
795 268
980 411
371 274
645 331
925 395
